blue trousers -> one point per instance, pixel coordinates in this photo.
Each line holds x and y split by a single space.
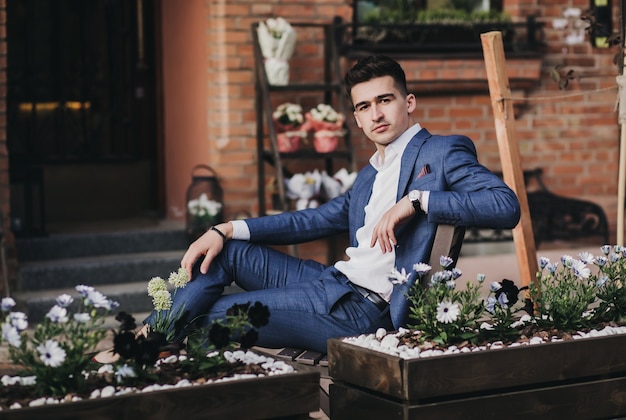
308 301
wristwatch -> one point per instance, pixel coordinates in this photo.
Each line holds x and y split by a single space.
414 197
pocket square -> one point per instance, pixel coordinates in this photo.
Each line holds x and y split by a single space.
425 170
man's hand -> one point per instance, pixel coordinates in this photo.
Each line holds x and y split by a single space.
384 231
209 244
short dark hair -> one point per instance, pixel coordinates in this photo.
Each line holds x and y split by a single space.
372 67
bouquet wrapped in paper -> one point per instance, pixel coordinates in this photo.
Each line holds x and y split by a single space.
289 121
310 189
327 126
277 40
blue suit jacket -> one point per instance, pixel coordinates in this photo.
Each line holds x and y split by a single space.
462 192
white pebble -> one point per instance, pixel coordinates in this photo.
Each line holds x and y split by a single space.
107 391
38 402
390 341
380 333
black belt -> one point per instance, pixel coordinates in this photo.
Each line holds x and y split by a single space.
372 297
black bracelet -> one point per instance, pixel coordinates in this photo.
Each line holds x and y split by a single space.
219 232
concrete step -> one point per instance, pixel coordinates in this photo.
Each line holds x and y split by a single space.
132 297
76 245
99 270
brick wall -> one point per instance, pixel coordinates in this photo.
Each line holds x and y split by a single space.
232 100
574 138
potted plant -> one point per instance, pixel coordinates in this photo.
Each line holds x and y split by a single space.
456 25
544 353
288 122
327 126
53 374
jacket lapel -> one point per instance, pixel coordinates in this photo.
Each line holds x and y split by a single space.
408 161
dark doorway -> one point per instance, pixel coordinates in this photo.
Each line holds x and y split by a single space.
81 128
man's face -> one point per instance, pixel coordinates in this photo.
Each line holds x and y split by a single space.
381 111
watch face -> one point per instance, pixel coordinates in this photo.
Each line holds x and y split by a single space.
414 195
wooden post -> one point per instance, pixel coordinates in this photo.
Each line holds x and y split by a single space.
499 88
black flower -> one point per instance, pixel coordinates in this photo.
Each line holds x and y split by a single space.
249 339
125 345
258 314
219 335
238 309
126 320
510 290
149 348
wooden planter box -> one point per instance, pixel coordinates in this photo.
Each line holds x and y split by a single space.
576 379
291 394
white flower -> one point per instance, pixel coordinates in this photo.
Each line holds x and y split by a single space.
325 112
125 371
447 312
156 284
202 206
111 305
398 277
51 353
7 304
445 261
304 186
288 114
332 186
586 257
179 278
64 300
345 178
11 335
495 286
162 300
18 320
566 260
580 269
84 290
82 317
572 12
421 268
559 23
480 277
97 300
57 314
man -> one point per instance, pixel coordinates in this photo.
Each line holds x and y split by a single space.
415 180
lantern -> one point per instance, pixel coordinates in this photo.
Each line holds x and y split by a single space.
204 201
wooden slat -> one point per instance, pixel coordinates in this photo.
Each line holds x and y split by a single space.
604 398
488 371
294 394
493 51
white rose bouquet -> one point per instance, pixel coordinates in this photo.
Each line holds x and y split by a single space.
277 40
327 125
288 121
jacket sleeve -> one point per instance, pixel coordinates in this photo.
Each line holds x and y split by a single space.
473 195
303 225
